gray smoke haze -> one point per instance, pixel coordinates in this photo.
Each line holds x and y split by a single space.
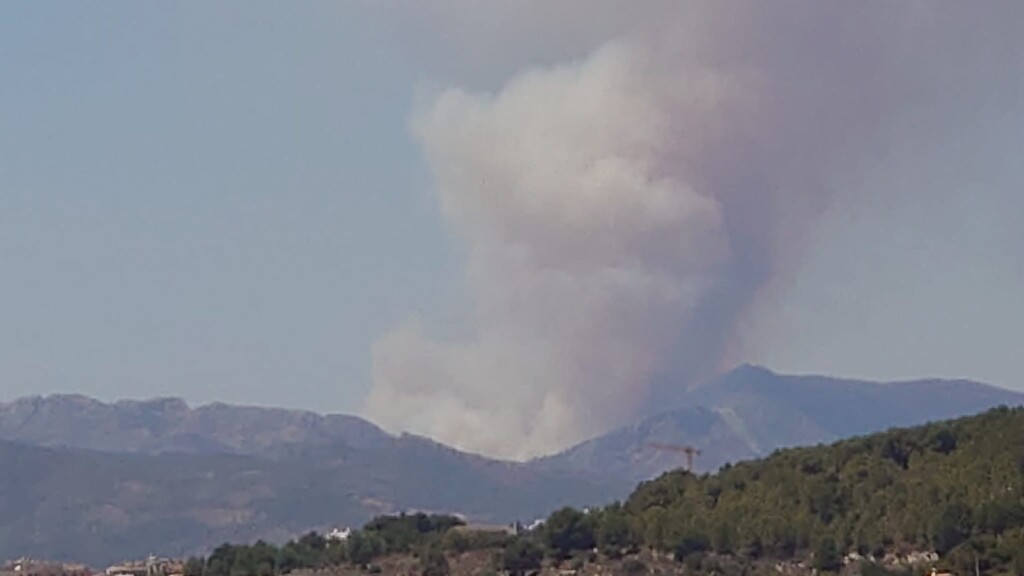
624 211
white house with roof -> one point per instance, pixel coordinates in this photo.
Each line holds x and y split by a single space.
339 534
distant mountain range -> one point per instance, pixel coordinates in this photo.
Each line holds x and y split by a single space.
751 411
170 425
96 482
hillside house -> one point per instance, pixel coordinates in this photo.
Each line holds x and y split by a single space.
152 566
339 534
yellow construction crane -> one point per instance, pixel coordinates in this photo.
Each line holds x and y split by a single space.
690 452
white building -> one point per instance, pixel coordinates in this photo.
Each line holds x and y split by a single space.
339 534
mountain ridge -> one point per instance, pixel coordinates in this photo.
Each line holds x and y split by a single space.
171 425
752 411
115 480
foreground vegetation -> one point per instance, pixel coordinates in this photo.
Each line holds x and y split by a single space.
955 488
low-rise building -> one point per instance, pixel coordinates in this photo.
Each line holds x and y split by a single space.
31 567
339 534
151 566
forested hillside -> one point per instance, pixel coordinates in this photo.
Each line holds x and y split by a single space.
956 487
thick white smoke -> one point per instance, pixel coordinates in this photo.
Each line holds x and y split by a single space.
622 213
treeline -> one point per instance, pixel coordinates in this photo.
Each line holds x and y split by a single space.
429 537
954 487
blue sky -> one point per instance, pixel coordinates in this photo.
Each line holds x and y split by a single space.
224 202
206 200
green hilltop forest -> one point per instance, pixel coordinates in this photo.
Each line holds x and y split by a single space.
955 488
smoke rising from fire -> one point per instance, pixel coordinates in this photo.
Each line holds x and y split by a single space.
623 212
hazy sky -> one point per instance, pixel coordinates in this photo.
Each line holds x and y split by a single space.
224 201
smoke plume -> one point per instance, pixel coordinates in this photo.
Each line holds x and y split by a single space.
623 212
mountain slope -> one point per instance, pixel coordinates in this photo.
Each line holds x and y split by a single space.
98 481
752 411
101 507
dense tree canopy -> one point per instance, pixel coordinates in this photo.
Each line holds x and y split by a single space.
383 535
938 487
